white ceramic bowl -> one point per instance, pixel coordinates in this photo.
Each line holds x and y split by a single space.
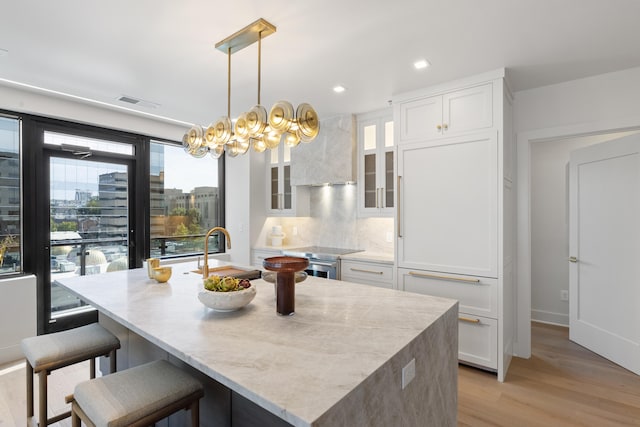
227 301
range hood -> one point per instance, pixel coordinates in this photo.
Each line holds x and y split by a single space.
330 158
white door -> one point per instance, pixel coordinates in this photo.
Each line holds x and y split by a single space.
604 245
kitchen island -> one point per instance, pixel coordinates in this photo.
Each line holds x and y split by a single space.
339 360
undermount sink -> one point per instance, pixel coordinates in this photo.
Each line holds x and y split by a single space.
231 270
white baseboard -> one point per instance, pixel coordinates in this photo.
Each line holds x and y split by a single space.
550 317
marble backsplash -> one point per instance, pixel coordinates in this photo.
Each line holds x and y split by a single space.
333 222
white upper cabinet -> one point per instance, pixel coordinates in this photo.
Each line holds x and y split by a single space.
376 164
446 115
282 198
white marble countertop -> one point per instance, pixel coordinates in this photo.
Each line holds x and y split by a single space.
297 367
380 257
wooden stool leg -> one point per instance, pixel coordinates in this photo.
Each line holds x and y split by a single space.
75 419
92 368
195 413
42 397
29 390
112 361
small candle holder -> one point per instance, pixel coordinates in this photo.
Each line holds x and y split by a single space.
286 267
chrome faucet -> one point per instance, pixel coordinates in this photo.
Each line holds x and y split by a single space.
205 269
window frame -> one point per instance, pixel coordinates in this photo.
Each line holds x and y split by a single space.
21 187
32 156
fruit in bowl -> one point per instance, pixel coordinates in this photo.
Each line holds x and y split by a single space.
225 284
226 293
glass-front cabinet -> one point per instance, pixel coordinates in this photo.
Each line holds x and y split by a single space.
282 198
376 151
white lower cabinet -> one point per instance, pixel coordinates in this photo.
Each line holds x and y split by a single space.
477 296
258 256
368 273
478 340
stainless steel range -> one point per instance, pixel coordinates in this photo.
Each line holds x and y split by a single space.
323 261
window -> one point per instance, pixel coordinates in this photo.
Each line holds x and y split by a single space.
10 226
185 201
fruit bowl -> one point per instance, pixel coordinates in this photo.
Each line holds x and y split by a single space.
227 301
226 293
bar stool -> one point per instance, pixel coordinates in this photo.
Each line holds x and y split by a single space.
46 353
138 396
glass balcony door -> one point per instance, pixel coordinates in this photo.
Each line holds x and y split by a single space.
90 230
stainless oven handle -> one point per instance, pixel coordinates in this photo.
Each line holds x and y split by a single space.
324 264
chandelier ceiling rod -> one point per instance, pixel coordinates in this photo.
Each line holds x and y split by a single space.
229 82
259 62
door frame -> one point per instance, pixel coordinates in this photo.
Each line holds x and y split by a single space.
37 232
524 141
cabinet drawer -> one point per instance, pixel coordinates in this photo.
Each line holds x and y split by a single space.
478 340
367 273
477 295
257 256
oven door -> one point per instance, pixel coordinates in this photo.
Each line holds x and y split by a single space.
326 269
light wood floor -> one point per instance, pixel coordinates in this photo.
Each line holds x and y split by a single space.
561 385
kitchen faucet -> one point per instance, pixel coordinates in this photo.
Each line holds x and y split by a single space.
205 269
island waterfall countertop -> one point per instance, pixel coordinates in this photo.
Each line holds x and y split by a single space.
321 366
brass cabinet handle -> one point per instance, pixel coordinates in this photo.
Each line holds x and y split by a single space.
468 319
398 202
437 276
366 271
445 126
573 259
439 127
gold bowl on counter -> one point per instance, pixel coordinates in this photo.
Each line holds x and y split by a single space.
162 274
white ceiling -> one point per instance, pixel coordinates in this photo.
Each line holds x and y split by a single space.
162 51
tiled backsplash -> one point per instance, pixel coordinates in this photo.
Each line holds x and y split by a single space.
333 222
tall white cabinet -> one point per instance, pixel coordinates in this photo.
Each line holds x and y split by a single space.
456 209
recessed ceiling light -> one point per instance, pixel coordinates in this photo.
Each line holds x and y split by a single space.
421 64
339 89
4 52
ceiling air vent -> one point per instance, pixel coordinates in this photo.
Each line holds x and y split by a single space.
136 101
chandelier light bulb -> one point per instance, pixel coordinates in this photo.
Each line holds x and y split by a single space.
258 144
291 139
272 139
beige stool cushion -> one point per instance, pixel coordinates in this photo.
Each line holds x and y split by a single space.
126 396
61 347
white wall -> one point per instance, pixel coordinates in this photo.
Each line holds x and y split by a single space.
332 222
31 102
17 315
595 105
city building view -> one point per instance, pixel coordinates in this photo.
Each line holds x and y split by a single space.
9 196
89 217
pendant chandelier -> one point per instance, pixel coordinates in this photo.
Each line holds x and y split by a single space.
254 128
